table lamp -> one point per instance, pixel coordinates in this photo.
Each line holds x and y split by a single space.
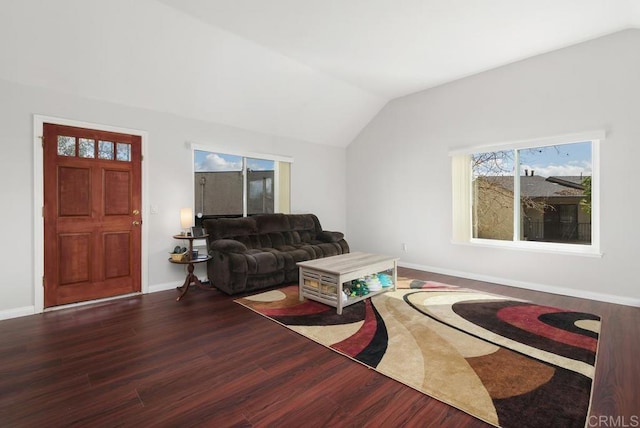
186 220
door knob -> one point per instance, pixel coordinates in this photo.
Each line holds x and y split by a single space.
136 212
135 223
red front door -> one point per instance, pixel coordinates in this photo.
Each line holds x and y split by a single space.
92 203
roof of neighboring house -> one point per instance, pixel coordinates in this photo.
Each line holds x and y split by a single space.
568 180
541 187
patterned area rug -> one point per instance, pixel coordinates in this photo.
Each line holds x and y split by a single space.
508 362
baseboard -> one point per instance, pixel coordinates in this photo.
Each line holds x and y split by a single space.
17 312
169 286
31 310
582 294
163 287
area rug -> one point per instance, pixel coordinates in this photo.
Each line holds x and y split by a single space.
509 362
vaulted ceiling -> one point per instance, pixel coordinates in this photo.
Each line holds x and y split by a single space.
310 70
393 48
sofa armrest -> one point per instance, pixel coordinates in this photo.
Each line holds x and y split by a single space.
328 236
228 246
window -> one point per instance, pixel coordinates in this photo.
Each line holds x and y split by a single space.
537 194
236 185
85 148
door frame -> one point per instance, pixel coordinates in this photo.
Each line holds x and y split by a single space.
38 200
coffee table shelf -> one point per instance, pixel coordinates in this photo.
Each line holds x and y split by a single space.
322 279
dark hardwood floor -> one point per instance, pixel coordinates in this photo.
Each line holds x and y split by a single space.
207 361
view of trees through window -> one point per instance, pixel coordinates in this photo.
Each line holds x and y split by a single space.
535 194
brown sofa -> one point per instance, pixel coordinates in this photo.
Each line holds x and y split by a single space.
261 251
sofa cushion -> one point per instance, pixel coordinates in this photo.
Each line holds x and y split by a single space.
277 239
249 241
229 246
261 262
327 236
313 251
305 227
293 255
329 249
230 227
264 241
272 223
295 237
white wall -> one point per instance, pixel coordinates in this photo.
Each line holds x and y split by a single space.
145 54
399 172
318 177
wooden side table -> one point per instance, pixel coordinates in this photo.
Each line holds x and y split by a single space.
191 277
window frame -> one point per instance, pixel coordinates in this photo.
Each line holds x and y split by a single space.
462 232
278 197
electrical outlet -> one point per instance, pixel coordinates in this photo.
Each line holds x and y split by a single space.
404 247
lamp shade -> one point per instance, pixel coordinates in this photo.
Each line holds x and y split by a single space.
186 217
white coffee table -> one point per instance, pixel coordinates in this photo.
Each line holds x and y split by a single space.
321 279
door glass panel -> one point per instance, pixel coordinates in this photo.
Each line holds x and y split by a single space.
87 148
105 150
123 152
66 146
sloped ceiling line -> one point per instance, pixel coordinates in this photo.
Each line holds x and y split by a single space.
313 71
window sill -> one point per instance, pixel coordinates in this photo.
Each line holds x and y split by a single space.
537 247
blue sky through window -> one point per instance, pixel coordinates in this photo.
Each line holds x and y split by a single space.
572 159
212 162
560 160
